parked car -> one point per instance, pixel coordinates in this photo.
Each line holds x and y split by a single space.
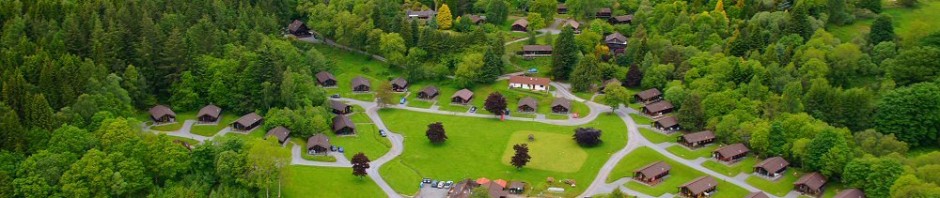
426 180
382 133
341 150
402 101
420 185
332 148
440 185
473 109
434 183
448 184
335 96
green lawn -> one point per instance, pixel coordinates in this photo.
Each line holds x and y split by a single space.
657 137
350 65
210 130
321 158
679 174
641 119
366 140
471 152
307 181
905 20
743 166
780 187
180 118
684 152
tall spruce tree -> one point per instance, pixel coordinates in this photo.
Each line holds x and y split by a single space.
492 66
565 55
881 30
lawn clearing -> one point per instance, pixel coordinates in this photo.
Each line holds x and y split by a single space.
211 130
308 181
366 140
180 118
549 151
780 187
743 166
684 152
641 119
918 20
679 174
657 137
475 148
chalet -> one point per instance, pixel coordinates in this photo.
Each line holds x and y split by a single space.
811 184
657 108
653 173
477 19
516 187
423 14
462 189
574 25
622 19
279 132
462 97
400 84
318 144
602 13
428 93
757 194
521 25
530 51
771 167
851 193
561 8
247 122
561 106
360 84
616 42
298 29
496 191
649 95
731 153
343 125
162 114
209 113
527 104
697 139
605 83
340 107
667 124
703 186
326 79
530 83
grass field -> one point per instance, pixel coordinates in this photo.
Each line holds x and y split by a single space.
920 20
547 151
679 174
743 166
780 187
307 181
210 130
471 152
180 118
657 137
684 152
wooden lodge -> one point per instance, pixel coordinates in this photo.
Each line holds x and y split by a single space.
810 184
527 104
428 93
851 193
209 113
521 25
657 108
622 19
667 124
462 97
247 122
279 132
771 167
561 106
399 85
603 13
574 25
616 42
340 107
648 96
529 83
600 89
342 125
531 51
318 144
697 139
757 194
423 14
703 186
161 114
326 79
298 29
561 8
360 84
653 173
731 153
477 19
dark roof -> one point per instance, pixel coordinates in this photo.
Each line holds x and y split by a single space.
516 185
341 121
248 119
160 111
700 184
658 106
337 105
530 80
667 121
401 82
280 132
323 76
529 101
537 48
732 150
649 94
757 194
318 140
422 13
294 26
521 22
564 102
603 10
361 81
616 37
430 90
851 193
463 188
463 94
699 136
476 18
773 164
496 190
562 5
623 18
654 169
210 110
812 180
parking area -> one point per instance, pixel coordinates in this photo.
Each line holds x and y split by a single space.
430 192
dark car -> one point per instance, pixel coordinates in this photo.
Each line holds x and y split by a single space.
382 133
332 148
448 184
335 96
341 150
426 180
473 109
434 183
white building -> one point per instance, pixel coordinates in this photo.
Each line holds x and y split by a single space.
530 83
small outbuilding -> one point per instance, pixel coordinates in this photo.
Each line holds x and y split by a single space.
561 8
529 83
209 113
667 124
343 125
811 184
622 19
318 144
162 114
757 194
731 153
648 96
462 97
531 51
399 85
851 193
704 186
521 25
574 25
616 42
697 139
360 84
247 122
561 106
527 104
603 13
326 79
658 108
279 132
428 93
653 173
771 167
340 107
298 29
423 14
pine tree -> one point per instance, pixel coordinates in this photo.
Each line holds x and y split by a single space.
565 55
39 114
521 158
881 30
444 18
499 45
359 164
407 34
634 76
492 66
691 116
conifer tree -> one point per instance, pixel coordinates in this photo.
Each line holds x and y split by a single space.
565 55
444 18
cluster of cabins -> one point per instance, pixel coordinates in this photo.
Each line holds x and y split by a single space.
527 104
496 188
359 84
616 42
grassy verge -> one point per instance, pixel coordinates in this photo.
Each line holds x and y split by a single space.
657 137
210 130
641 119
180 118
684 152
319 158
780 187
307 181
743 166
679 174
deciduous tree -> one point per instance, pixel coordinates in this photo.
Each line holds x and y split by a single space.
587 73
521 158
881 30
587 137
495 103
497 11
436 133
359 164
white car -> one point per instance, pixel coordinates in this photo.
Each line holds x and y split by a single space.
440 185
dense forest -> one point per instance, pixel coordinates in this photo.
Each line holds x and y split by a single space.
76 74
